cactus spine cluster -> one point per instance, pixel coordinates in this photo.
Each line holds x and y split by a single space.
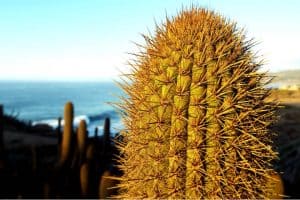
107 185
276 187
196 117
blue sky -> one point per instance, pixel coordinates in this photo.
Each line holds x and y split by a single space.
88 39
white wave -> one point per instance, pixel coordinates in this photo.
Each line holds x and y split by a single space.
54 122
116 125
77 120
51 122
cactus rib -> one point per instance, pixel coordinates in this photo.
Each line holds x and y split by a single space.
196 117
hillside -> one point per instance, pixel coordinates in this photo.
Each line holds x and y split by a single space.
287 77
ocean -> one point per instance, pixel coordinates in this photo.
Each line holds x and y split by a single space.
43 102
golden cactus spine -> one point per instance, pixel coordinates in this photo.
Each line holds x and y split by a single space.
196 118
67 136
107 186
276 186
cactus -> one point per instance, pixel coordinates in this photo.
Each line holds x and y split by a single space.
96 132
107 186
196 122
59 135
84 179
81 140
106 136
1 131
276 186
46 190
58 129
67 136
89 173
90 152
34 158
2 148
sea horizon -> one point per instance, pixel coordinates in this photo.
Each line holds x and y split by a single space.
108 80
43 101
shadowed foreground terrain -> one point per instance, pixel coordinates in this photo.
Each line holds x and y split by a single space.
29 162
32 164
288 140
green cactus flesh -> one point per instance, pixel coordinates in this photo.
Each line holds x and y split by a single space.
196 117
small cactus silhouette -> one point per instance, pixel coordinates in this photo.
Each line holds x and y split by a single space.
96 132
106 136
196 117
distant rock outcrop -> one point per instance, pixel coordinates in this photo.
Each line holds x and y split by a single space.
287 75
286 79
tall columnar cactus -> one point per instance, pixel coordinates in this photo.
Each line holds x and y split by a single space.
89 172
96 132
81 140
106 136
2 163
90 152
196 117
84 179
1 130
67 136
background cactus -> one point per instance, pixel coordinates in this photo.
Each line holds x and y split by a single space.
106 136
107 185
84 179
1 132
67 136
81 140
196 118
